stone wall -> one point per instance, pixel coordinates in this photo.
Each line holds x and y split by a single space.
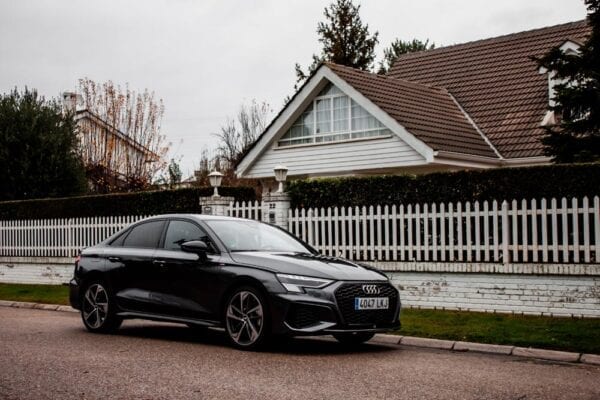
565 296
38 270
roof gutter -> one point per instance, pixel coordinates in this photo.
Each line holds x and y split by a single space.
527 161
441 156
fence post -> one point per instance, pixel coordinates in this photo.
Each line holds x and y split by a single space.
505 226
276 208
216 205
69 244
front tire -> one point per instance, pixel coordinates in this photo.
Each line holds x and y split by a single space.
246 318
351 338
98 309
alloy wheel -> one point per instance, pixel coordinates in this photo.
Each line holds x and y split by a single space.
244 318
95 306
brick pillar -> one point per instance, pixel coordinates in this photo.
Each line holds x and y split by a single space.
216 205
275 209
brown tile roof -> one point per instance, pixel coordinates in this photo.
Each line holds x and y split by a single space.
427 112
497 82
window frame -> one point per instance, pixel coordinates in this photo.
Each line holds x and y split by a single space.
213 245
312 139
126 234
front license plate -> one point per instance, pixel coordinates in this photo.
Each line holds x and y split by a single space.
371 303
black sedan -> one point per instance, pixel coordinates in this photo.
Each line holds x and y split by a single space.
253 279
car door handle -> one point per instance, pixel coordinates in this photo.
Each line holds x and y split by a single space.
160 263
114 259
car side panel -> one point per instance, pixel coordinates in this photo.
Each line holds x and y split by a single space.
135 280
189 283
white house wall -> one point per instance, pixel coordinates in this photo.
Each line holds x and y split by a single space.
337 158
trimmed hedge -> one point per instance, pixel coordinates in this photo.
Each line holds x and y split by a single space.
565 180
138 203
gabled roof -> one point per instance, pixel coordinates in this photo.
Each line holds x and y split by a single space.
485 98
427 112
497 82
425 117
87 114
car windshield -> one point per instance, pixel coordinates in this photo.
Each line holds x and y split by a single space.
238 235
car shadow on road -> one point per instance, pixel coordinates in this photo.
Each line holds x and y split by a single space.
297 345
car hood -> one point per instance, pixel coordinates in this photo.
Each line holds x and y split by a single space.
308 265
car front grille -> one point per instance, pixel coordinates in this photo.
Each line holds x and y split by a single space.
346 294
302 316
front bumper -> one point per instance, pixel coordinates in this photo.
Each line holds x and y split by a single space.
327 311
74 297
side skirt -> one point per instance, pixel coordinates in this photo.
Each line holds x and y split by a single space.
167 318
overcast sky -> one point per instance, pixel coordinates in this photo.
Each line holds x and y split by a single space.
205 57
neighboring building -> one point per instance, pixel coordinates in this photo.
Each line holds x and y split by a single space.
481 104
104 146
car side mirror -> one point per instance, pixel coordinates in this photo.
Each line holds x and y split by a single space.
196 247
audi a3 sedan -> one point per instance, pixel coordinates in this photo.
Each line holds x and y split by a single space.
250 278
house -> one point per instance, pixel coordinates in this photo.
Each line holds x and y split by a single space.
104 147
481 104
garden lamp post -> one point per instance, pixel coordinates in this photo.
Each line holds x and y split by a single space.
215 179
280 176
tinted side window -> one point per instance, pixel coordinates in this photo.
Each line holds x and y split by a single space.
182 231
144 235
119 240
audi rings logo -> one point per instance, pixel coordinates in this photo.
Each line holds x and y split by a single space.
371 289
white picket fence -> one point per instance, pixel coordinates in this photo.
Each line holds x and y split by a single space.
250 210
554 231
57 237
517 232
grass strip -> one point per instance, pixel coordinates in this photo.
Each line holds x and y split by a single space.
49 294
568 334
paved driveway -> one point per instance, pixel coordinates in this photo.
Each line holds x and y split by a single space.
46 354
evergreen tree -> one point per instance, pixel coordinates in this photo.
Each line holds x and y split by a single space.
577 98
37 149
345 39
399 47
175 174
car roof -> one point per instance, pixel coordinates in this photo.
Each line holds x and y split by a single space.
201 217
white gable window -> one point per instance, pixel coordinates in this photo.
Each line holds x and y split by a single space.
332 116
569 48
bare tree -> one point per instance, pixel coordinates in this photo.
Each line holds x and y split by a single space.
237 135
122 146
205 167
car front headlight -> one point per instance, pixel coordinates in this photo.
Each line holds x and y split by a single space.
295 283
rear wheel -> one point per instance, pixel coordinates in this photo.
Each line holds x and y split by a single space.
246 318
98 309
353 337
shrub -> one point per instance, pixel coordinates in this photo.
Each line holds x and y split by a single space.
574 180
139 203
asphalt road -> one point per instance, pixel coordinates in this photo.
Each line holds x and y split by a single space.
46 354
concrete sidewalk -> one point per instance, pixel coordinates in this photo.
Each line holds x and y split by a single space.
542 354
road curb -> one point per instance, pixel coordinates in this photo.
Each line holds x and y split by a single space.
425 342
38 306
397 340
522 352
483 348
